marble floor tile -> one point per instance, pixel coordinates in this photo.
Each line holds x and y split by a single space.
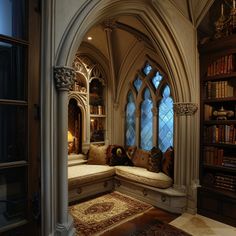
198 225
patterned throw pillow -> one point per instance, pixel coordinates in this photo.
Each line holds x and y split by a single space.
97 155
154 161
119 157
130 151
168 162
109 152
140 158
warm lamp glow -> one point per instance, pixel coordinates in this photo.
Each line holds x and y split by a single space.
70 138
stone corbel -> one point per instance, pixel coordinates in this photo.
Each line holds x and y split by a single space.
64 77
185 108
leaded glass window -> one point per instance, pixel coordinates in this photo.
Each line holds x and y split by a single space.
130 121
146 121
166 120
147 69
137 84
156 79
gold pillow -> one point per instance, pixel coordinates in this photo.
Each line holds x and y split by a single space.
140 158
97 155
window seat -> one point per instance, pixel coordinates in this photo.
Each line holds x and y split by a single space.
86 180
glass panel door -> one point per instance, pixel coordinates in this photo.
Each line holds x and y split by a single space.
19 127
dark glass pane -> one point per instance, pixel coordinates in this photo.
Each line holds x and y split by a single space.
12 18
166 120
13 195
13 141
130 121
156 79
146 122
12 72
147 69
137 84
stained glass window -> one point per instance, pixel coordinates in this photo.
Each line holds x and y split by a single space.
156 79
137 83
166 120
146 122
147 69
130 121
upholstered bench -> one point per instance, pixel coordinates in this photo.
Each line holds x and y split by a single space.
86 180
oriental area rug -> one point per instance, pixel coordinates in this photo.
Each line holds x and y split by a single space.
116 214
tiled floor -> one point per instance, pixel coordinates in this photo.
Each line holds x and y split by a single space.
198 225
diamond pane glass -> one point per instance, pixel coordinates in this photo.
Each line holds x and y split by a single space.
147 69
130 121
166 120
146 122
156 79
138 83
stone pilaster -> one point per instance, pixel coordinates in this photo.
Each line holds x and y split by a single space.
186 151
64 79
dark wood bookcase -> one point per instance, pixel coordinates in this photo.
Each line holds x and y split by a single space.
217 194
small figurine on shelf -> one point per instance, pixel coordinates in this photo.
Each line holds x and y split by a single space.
223 114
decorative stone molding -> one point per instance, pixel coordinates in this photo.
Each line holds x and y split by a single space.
185 108
64 77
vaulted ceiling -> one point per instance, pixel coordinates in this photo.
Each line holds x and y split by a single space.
126 31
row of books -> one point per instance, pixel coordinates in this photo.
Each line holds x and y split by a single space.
225 182
220 134
219 89
215 156
222 65
97 110
220 181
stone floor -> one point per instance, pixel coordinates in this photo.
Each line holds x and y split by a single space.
198 225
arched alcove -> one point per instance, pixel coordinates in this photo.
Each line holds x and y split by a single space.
169 49
75 126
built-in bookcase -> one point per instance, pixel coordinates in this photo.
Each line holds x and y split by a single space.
217 194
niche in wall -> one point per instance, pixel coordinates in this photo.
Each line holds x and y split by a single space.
75 126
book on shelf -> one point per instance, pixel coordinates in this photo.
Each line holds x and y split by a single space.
220 134
208 109
213 155
222 65
219 89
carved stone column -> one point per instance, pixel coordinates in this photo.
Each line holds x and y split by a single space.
64 79
187 151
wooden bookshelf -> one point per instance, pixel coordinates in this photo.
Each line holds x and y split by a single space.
217 194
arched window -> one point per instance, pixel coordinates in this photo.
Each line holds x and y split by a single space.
166 120
146 121
130 121
152 91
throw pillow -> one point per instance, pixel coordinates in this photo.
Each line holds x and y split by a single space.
109 152
130 151
140 158
119 157
168 162
154 161
97 155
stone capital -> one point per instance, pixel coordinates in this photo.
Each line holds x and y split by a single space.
64 77
185 108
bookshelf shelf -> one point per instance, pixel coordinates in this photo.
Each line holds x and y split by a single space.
221 168
220 77
219 122
221 192
218 130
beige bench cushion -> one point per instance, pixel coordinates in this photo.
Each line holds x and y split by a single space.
87 173
143 176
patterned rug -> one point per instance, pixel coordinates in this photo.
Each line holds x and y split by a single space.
98 215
